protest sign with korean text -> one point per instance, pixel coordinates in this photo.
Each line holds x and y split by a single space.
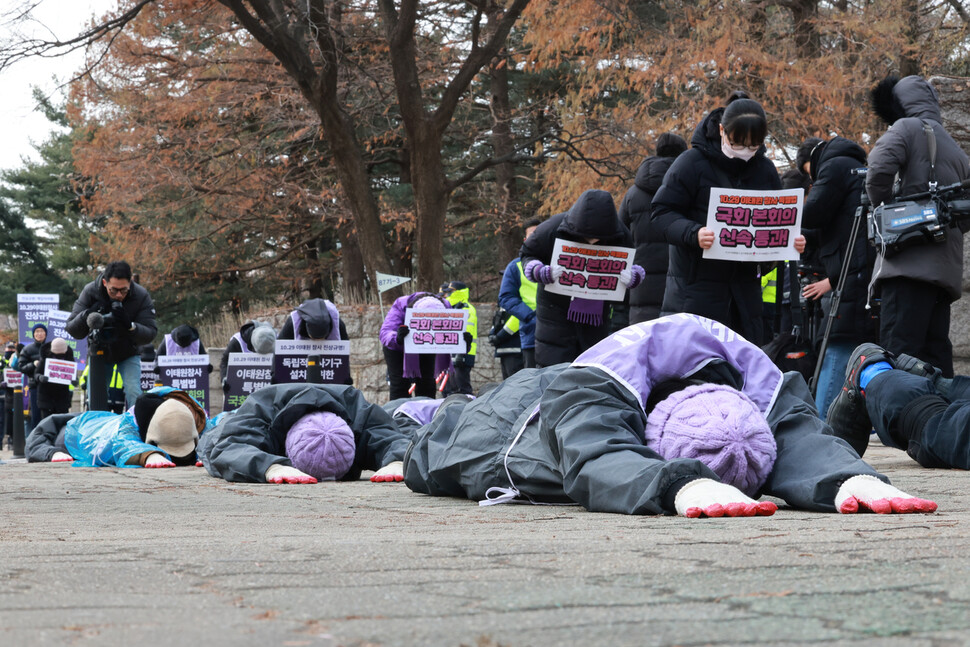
12 379
290 360
189 373
147 378
32 309
56 327
435 331
754 225
246 373
60 371
590 271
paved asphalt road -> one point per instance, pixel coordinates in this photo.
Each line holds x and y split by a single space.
174 557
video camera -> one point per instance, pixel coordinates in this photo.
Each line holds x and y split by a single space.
918 219
102 329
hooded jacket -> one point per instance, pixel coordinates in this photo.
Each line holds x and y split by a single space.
319 315
51 396
118 344
183 340
830 209
694 284
593 215
651 253
904 150
575 433
246 443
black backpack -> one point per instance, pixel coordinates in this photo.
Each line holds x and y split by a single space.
791 352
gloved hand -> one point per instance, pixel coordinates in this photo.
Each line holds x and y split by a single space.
632 276
546 273
710 498
402 332
285 474
225 384
61 457
210 368
392 472
493 340
42 379
156 370
74 383
866 492
467 336
157 460
121 317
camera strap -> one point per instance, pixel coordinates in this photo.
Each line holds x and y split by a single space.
931 145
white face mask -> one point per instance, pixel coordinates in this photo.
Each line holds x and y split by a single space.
743 153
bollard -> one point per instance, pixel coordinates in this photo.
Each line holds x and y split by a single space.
19 415
97 381
313 370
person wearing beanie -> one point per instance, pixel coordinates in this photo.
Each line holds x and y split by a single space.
727 151
160 430
53 398
409 374
566 326
646 298
678 415
917 284
28 363
253 337
304 433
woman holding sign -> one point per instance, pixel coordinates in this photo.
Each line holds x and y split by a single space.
54 396
407 373
727 151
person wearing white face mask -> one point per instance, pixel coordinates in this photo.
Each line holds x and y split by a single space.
727 151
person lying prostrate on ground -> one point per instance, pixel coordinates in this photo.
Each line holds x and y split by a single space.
160 430
679 415
304 433
45 444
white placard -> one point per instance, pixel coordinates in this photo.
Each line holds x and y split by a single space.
60 371
590 271
754 225
435 331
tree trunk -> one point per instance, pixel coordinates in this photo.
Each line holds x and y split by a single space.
503 143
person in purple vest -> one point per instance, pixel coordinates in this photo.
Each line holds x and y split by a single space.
409 374
678 415
183 340
253 337
315 319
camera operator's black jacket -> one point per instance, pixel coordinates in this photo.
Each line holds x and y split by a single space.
696 285
830 209
118 344
646 298
904 149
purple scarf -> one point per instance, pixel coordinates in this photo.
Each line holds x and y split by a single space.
585 311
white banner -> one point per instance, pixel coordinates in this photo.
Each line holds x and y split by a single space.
754 225
435 331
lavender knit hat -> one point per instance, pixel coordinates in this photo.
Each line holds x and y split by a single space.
322 445
719 426
428 303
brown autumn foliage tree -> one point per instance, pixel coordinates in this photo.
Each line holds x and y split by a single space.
642 68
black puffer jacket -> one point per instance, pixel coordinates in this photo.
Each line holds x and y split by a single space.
646 298
593 215
830 209
904 150
726 291
120 343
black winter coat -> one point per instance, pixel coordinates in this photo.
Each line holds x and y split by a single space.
55 397
557 338
830 209
25 362
726 291
647 298
119 343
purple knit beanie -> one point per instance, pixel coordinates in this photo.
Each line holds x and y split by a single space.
428 303
322 445
719 426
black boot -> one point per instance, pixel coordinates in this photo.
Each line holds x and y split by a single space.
847 415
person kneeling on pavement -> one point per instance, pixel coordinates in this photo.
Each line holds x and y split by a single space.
678 415
909 403
304 433
161 430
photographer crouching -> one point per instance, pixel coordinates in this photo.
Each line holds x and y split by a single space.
918 283
117 315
